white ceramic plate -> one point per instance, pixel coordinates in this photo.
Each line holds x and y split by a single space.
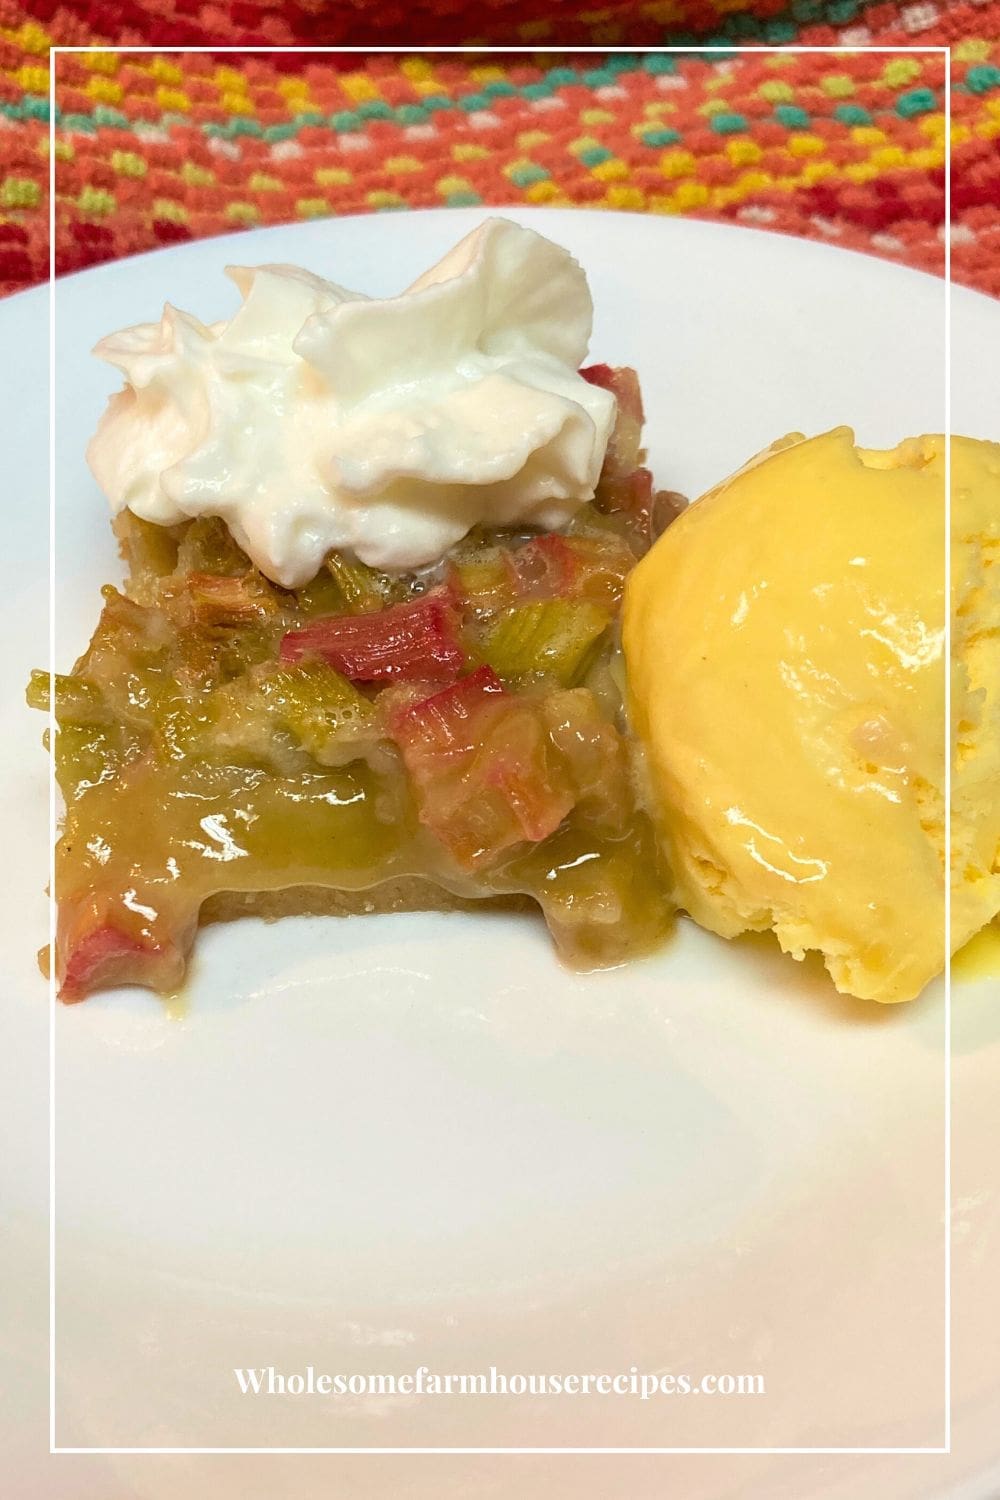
415 1140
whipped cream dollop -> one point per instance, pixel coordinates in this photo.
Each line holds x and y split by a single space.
319 418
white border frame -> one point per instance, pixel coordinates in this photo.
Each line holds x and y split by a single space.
507 51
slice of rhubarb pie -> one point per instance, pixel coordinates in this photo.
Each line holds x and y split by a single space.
366 653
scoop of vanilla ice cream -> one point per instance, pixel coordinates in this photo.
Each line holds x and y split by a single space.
785 648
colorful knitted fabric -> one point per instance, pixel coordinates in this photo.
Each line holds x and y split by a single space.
156 148
424 23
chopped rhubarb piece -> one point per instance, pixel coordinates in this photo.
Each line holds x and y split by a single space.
208 546
515 763
418 640
631 496
444 722
362 588
107 935
483 580
103 957
594 757
591 567
623 446
602 375
306 702
479 760
667 505
586 565
544 568
548 637
603 562
648 514
228 600
77 701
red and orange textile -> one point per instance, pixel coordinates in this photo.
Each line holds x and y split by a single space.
159 147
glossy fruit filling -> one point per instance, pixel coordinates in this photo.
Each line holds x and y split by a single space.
222 734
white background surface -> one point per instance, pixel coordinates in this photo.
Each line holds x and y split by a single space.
415 1140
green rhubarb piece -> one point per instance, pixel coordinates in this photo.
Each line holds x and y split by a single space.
208 546
555 638
361 588
77 701
315 704
311 702
482 575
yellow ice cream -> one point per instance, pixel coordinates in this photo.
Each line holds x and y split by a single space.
785 648
975 686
